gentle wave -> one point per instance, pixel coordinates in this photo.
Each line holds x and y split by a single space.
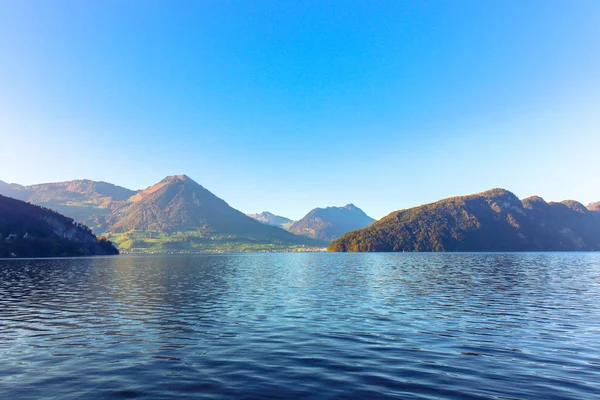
422 326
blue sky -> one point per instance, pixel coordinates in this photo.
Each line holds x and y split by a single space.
286 106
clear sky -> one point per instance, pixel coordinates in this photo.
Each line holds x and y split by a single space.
289 105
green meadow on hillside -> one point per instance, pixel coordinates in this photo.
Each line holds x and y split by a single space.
193 242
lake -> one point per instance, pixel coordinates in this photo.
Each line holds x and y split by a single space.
311 325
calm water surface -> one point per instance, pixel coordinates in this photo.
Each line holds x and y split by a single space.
423 326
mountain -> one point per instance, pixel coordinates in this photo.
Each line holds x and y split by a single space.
84 200
330 223
495 220
27 230
594 207
271 219
178 204
12 190
81 191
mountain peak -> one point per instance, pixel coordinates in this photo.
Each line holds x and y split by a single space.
575 206
535 199
497 193
176 178
535 203
168 181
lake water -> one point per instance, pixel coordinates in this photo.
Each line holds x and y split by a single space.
423 326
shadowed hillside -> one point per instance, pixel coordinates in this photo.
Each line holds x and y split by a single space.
495 220
27 230
86 201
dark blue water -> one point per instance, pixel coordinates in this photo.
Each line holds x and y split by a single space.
426 326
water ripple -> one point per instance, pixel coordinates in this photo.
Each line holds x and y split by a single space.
322 326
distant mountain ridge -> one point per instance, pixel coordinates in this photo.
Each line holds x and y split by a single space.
271 219
27 230
84 200
495 220
330 223
594 206
80 190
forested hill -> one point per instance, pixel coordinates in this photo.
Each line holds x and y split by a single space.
495 220
27 230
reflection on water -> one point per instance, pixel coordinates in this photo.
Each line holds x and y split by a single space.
302 325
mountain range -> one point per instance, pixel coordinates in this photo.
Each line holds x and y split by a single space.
495 220
27 230
325 224
176 214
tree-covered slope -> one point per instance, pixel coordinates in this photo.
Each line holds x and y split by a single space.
330 223
27 230
495 220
